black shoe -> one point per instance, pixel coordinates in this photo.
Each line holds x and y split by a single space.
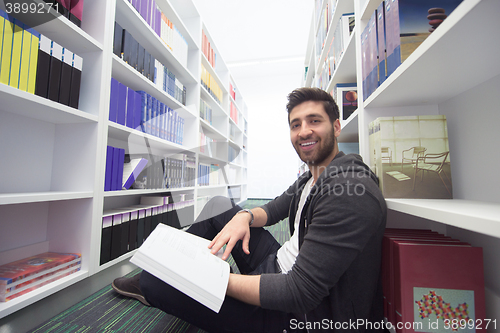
130 287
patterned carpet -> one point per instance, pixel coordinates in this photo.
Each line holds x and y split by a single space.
107 312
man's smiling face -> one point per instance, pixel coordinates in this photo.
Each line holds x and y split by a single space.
312 134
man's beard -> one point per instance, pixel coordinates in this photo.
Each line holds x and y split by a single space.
320 155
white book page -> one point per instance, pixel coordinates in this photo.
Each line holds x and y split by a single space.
185 262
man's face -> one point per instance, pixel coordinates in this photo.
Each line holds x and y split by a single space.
312 134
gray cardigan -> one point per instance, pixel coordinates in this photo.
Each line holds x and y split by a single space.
335 279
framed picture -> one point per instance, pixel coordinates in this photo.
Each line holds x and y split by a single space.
347 100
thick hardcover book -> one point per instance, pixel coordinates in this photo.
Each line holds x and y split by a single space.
438 286
35 39
117 40
140 226
55 72
76 78
125 233
122 104
382 72
19 277
137 111
113 100
129 117
127 41
3 16
43 67
17 46
132 170
116 236
184 261
25 58
147 222
140 59
107 227
8 36
114 170
411 156
109 168
65 87
121 162
132 240
409 23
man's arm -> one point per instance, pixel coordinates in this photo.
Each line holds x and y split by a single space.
245 288
238 228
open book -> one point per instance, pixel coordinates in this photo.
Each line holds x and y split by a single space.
184 261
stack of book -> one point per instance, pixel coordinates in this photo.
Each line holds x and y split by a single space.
208 51
20 277
205 111
211 85
431 281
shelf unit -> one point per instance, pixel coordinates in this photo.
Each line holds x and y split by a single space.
52 196
454 72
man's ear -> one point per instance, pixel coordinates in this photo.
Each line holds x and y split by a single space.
337 128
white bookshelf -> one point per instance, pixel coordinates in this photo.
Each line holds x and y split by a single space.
52 196
454 72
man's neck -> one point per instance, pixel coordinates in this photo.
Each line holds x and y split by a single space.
317 170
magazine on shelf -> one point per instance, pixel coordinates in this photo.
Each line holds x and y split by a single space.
184 261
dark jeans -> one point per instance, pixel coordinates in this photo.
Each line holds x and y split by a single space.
234 316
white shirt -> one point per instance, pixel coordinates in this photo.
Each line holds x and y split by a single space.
290 250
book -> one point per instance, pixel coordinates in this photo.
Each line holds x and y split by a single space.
43 67
382 71
438 286
8 37
184 261
132 170
17 45
346 96
22 276
55 72
409 23
65 87
76 78
410 155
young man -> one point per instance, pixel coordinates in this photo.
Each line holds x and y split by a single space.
326 277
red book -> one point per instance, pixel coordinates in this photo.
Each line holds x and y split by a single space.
19 277
438 287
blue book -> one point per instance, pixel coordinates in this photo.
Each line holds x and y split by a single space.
381 43
154 116
144 110
129 121
113 100
122 104
149 114
162 121
109 167
137 111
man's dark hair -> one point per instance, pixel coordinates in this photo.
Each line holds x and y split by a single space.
305 94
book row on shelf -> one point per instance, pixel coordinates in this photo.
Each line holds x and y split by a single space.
209 174
141 111
395 29
22 276
163 27
125 229
432 281
31 62
341 36
208 51
210 84
205 111
132 53
124 171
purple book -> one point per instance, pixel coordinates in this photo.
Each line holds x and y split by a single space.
113 100
122 103
130 108
132 170
114 170
121 161
108 170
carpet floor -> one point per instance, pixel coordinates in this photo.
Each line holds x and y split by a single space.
107 312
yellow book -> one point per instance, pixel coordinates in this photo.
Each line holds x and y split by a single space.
2 22
25 59
35 37
8 34
17 45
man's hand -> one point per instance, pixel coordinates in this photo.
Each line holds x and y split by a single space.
236 229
